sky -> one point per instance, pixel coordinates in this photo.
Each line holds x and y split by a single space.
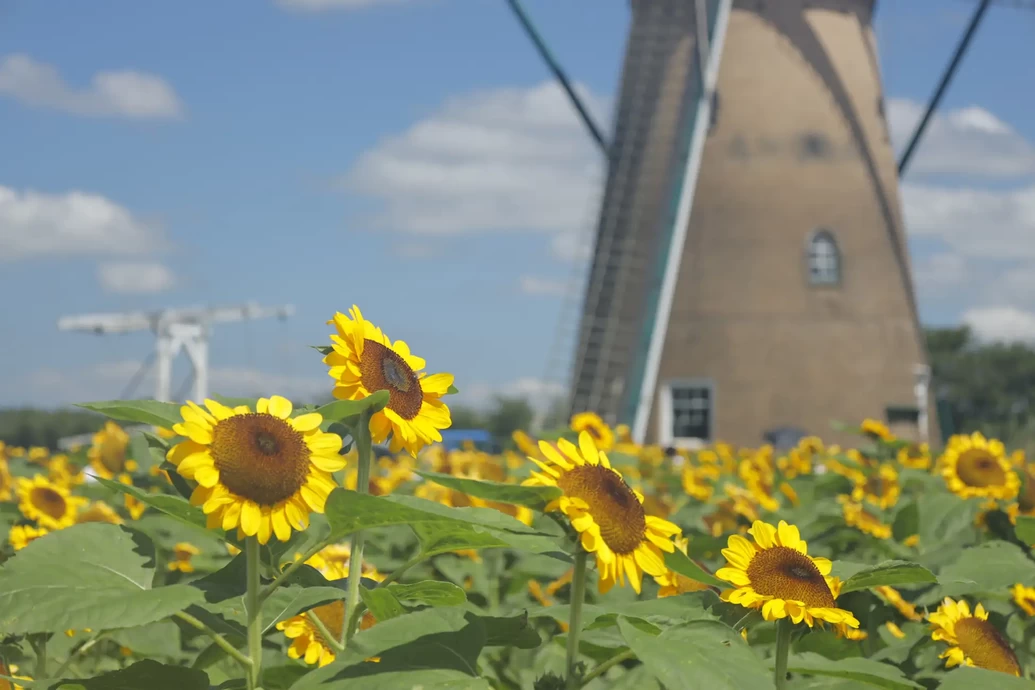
412 157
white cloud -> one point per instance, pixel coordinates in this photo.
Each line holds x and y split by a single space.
323 5
122 93
970 141
36 223
535 285
144 277
974 222
511 159
1001 324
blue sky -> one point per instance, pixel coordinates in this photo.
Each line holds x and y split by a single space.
175 154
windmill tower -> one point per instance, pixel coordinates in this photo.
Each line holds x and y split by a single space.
750 269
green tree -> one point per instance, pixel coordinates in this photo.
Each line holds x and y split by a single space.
509 415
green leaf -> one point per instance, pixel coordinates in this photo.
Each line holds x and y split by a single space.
891 573
141 411
429 592
536 497
452 390
429 627
382 603
970 678
87 576
857 669
682 564
1026 529
323 349
144 674
343 409
988 567
512 631
701 654
173 506
448 528
161 639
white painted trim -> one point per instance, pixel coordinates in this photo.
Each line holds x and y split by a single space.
686 202
665 437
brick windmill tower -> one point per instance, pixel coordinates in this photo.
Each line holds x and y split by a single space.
750 270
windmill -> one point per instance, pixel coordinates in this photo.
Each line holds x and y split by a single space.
175 330
749 269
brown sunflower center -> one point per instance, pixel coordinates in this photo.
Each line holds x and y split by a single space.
49 502
877 486
785 573
113 455
612 504
982 642
331 615
382 368
260 457
977 467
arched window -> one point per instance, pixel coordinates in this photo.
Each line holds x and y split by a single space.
824 259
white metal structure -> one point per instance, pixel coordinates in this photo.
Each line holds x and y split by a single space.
922 387
175 330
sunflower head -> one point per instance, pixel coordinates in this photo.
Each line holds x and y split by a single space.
363 360
182 553
881 488
108 454
605 511
856 515
6 482
876 430
99 511
774 573
49 504
333 563
1024 597
596 427
915 455
307 640
972 639
261 472
976 467
21 535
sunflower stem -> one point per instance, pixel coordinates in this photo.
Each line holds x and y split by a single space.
578 594
218 639
254 610
783 649
605 666
363 457
39 646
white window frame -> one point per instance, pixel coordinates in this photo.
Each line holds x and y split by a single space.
827 238
666 413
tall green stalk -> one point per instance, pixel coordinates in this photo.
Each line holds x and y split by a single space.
363 452
783 649
578 595
253 608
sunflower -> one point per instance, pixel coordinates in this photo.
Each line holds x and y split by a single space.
881 488
52 506
607 514
915 455
776 574
863 520
364 360
38 455
134 505
894 598
21 535
262 472
894 630
1024 597
597 428
974 466
971 638
107 455
525 443
672 583
182 553
333 563
876 430
5 481
60 471
696 485
307 640
98 511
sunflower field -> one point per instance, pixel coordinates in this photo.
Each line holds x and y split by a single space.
242 544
